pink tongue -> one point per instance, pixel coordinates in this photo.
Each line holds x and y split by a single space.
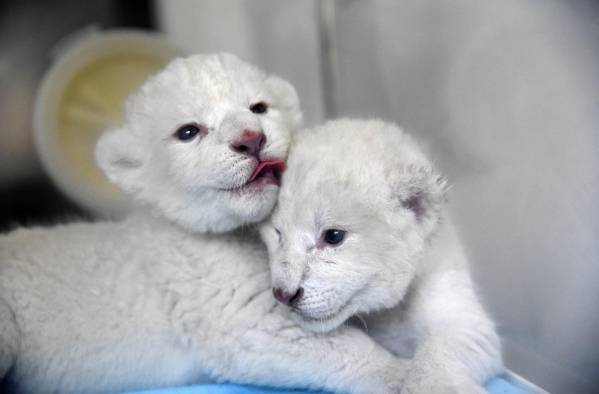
265 165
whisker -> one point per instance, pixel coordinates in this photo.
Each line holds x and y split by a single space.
363 321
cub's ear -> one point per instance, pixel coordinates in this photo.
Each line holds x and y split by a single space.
286 99
420 189
121 158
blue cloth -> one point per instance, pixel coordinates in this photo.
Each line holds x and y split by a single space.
502 386
495 386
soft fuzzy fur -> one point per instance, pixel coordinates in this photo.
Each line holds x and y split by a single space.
199 184
159 299
400 261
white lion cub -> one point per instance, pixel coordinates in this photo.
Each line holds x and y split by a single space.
360 227
159 299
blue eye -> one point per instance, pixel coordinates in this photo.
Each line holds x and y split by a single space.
187 132
334 236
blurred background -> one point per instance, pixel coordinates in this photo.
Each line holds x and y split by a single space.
504 94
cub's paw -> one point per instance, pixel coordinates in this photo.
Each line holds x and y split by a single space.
387 379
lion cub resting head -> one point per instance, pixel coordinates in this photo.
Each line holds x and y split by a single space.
358 205
204 142
360 228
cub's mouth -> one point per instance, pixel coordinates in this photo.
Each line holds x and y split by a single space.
267 173
321 317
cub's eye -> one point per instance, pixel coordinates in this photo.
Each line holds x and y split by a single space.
259 108
279 236
188 132
334 236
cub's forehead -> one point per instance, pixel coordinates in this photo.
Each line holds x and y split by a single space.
353 149
318 204
200 80
345 163
219 75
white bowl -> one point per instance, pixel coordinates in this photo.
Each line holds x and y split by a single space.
80 96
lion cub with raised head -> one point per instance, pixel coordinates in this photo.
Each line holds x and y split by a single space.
360 228
159 299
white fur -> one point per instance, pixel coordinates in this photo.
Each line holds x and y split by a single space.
191 183
400 262
151 302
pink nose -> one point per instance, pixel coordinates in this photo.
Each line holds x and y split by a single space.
288 298
250 143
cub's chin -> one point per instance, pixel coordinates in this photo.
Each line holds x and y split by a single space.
253 203
323 322
216 210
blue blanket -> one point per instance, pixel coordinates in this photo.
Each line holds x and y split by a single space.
495 386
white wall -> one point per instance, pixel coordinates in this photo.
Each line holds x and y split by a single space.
506 96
